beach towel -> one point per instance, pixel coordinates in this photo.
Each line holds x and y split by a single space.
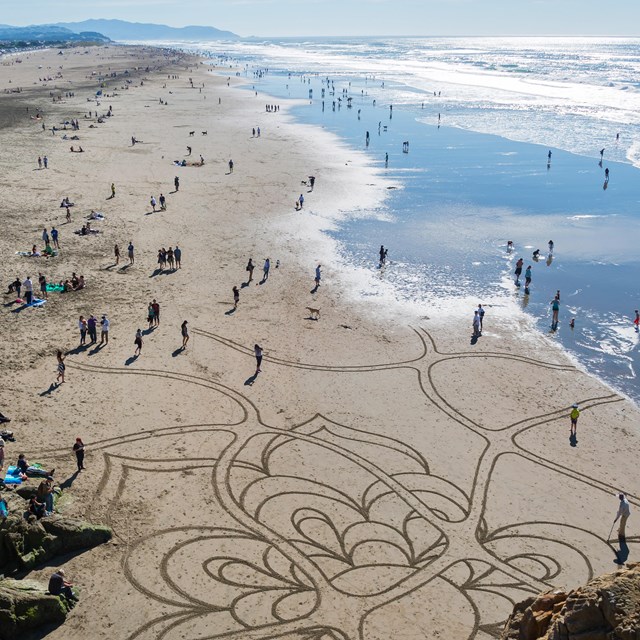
4 510
55 287
13 476
36 302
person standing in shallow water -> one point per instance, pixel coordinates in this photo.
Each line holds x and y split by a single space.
555 307
518 271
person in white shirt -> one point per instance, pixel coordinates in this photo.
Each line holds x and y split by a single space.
104 333
622 515
28 289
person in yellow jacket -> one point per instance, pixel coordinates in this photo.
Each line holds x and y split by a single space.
575 414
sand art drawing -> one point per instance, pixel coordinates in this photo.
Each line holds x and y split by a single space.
329 531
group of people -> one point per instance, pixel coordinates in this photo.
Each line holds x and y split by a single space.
171 257
90 326
478 317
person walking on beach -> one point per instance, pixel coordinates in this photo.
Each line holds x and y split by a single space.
230 166
176 183
301 200
480 315
477 331
163 202
153 203
518 271
383 254
45 161
54 237
185 334
78 449
39 162
113 190
250 268
155 305
318 275
92 324
555 307
82 326
104 330
150 315
138 342
116 253
61 367
236 297
265 269
574 415
257 350
130 250
623 515
177 254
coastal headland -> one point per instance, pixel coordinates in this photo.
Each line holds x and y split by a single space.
378 476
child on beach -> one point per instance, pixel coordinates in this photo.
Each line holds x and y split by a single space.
257 349
61 367
138 342
185 334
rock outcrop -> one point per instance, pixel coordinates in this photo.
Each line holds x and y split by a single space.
24 543
606 608
26 605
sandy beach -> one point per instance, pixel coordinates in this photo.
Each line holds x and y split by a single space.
378 477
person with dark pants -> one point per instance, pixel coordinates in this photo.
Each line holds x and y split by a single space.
78 449
58 586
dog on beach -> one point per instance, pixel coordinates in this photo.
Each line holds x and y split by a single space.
204 133
192 133
314 314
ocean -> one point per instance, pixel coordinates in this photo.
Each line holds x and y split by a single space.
481 116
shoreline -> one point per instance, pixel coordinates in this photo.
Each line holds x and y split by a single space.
612 373
368 462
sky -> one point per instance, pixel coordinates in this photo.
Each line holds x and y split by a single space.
349 17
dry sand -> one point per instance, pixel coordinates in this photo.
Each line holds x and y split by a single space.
380 478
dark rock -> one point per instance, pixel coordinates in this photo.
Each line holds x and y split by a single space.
606 608
25 543
26 605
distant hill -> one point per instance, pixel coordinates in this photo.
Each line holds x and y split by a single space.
122 30
38 33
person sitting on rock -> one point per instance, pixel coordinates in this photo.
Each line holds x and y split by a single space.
36 508
44 494
58 586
